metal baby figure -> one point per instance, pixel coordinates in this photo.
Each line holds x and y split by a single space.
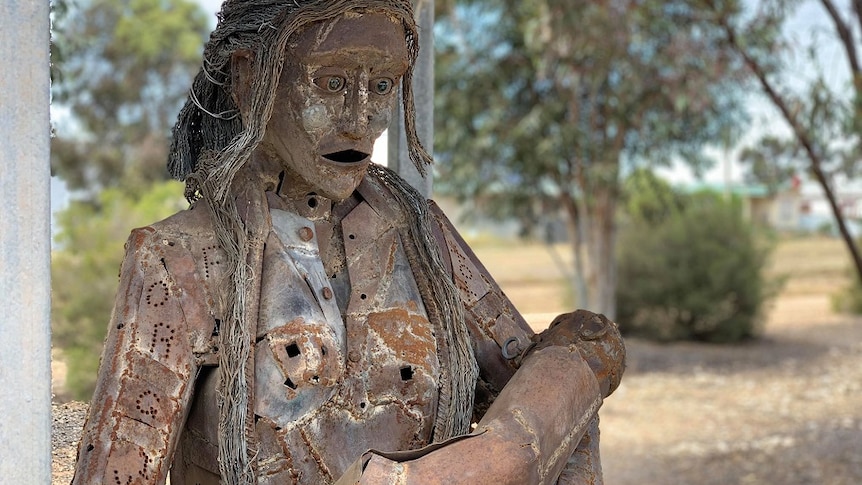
311 318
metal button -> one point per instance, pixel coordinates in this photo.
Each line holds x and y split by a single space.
306 234
327 293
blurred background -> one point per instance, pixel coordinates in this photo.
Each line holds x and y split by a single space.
688 168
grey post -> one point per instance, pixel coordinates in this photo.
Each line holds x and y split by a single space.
423 89
25 244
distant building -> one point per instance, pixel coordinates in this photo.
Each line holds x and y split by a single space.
816 214
796 206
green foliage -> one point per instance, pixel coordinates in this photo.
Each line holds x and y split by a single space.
771 161
805 57
826 115
85 265
121 71
693 273
544 97
650 199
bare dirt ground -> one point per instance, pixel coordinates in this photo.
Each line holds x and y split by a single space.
783 409
786 409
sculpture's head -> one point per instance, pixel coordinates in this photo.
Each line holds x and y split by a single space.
308 84
335 97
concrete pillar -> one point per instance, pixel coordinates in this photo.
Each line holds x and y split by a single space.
423 89
25 244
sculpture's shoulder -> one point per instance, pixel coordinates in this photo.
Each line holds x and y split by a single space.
161 332
188 234
194 225
181 251
383 198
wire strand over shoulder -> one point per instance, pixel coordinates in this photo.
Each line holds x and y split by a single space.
458 383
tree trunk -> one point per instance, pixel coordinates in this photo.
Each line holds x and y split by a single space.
602 268
575 228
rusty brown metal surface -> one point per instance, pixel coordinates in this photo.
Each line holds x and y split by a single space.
158 337
597 339
540 425
312 422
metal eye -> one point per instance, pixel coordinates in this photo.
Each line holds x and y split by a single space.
332 84
382 85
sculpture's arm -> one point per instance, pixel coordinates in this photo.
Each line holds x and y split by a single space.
502 337
545 417
533 428
498 330
524 438
148 365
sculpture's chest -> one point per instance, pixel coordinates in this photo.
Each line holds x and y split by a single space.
332 381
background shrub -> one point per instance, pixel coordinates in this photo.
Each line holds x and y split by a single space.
689 268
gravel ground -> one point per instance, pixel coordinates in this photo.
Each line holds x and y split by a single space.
66 431
781 410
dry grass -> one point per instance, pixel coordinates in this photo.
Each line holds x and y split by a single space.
533 279
813 265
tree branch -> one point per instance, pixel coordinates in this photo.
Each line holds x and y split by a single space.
802 136
857 10
845 34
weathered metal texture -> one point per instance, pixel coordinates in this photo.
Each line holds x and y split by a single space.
344 355
493 321
158 337
584 466
325 385
543 426
597 339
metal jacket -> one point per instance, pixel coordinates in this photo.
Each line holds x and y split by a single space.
346 359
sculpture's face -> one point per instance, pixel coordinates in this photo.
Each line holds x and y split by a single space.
335 98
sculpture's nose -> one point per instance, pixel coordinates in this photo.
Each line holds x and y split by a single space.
354 123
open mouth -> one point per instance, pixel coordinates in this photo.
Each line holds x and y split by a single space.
347 156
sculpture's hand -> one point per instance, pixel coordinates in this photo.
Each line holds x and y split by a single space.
597 339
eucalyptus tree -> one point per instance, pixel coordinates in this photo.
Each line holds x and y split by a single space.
543 105
820 101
